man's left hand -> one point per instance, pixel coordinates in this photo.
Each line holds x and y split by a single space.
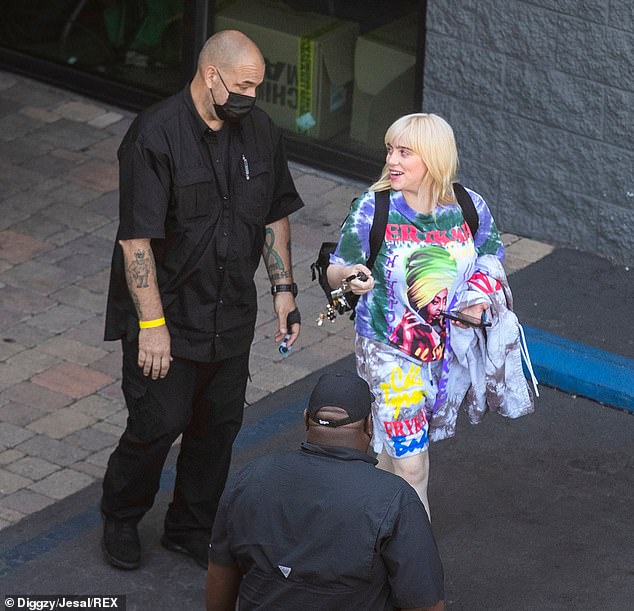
284 303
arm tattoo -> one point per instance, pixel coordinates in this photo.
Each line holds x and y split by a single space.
282 274
139 270
140 274
273 261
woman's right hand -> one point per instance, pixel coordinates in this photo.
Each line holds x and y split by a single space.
338 273
357 286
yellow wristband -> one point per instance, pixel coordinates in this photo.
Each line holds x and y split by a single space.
149 324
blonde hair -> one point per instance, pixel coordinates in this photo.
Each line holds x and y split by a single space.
432 139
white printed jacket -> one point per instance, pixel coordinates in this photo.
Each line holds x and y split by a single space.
484 372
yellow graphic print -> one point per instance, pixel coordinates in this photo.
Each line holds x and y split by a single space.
458 250
398 391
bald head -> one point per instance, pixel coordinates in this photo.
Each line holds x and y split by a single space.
230 62
228 49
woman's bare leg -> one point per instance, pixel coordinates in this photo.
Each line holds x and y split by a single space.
413 469
385 462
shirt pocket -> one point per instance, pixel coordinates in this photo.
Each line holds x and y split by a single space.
195 193
254 188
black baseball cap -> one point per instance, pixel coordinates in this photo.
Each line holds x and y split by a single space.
345 390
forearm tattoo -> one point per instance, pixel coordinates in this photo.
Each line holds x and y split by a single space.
139 270
274 263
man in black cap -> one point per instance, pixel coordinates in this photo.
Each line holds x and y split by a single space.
321 528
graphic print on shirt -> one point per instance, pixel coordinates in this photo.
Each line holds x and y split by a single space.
429 273
394 312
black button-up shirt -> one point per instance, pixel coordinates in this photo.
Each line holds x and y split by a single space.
204 200
323 529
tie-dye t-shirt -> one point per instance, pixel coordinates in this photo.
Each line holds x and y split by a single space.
421 269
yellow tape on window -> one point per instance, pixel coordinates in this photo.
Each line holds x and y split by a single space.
305 76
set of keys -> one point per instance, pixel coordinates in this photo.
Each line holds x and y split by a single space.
340 299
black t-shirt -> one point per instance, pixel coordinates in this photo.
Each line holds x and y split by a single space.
204 205
322 529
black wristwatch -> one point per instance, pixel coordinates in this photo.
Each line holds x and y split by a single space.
284 288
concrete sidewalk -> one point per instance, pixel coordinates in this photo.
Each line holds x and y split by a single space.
61 408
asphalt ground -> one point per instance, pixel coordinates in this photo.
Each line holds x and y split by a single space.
529 514
577 311
579 296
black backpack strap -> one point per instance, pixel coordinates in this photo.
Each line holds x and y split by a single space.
379 223
468 208
377 235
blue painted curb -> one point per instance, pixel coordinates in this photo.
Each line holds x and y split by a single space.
581 369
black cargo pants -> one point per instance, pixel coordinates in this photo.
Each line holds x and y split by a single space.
204 402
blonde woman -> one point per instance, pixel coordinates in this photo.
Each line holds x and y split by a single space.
423 267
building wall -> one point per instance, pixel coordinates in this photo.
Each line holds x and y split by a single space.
541 97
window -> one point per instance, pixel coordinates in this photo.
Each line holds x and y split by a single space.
338 71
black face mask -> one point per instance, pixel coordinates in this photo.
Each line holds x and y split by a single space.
235 108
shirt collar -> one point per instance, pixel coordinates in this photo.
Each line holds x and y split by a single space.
340 452
397 200
199 125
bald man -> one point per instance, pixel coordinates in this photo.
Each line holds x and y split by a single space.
321 527
204 191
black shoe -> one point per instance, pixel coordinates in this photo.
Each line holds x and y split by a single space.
198 549
120 543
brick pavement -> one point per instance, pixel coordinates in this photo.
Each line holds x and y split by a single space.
61 408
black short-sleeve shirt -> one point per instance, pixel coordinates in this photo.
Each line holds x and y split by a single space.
323 529
204 200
